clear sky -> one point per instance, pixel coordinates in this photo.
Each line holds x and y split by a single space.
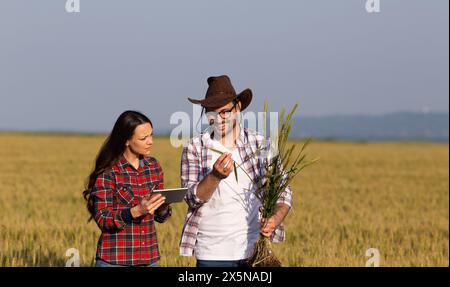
78 72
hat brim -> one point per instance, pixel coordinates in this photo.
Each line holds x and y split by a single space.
245 97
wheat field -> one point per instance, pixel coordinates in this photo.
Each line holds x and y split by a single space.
393 196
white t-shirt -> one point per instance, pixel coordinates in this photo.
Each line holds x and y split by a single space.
229 226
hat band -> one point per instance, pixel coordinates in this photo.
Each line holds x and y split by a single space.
221 93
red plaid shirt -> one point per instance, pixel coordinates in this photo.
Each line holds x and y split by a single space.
127 241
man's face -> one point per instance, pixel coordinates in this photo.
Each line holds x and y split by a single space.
224 119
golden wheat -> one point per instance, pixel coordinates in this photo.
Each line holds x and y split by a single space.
389 196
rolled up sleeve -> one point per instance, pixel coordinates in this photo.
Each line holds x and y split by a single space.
286 197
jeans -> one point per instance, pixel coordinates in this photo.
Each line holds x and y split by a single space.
221 263
102 263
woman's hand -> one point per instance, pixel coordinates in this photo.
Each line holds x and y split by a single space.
148 204
163 209
163 213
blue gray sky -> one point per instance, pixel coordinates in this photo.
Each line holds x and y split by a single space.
78 72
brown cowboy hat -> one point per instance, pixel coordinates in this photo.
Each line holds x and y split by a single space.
220 92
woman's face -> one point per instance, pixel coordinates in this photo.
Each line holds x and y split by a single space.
142 140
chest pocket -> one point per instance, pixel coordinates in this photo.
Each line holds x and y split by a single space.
125 194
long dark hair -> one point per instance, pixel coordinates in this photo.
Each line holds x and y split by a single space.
112 149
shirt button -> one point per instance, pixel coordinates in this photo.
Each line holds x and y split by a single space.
143 243
140 184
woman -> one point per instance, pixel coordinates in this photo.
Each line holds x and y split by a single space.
119 195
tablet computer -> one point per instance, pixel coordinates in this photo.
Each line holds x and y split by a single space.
172 195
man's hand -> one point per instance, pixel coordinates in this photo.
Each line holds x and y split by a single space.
223 166
268 226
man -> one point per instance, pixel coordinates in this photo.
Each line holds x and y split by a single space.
223 221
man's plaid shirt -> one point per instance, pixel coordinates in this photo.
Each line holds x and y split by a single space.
196 163
124 240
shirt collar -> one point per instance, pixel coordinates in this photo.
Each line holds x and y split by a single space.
123 162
